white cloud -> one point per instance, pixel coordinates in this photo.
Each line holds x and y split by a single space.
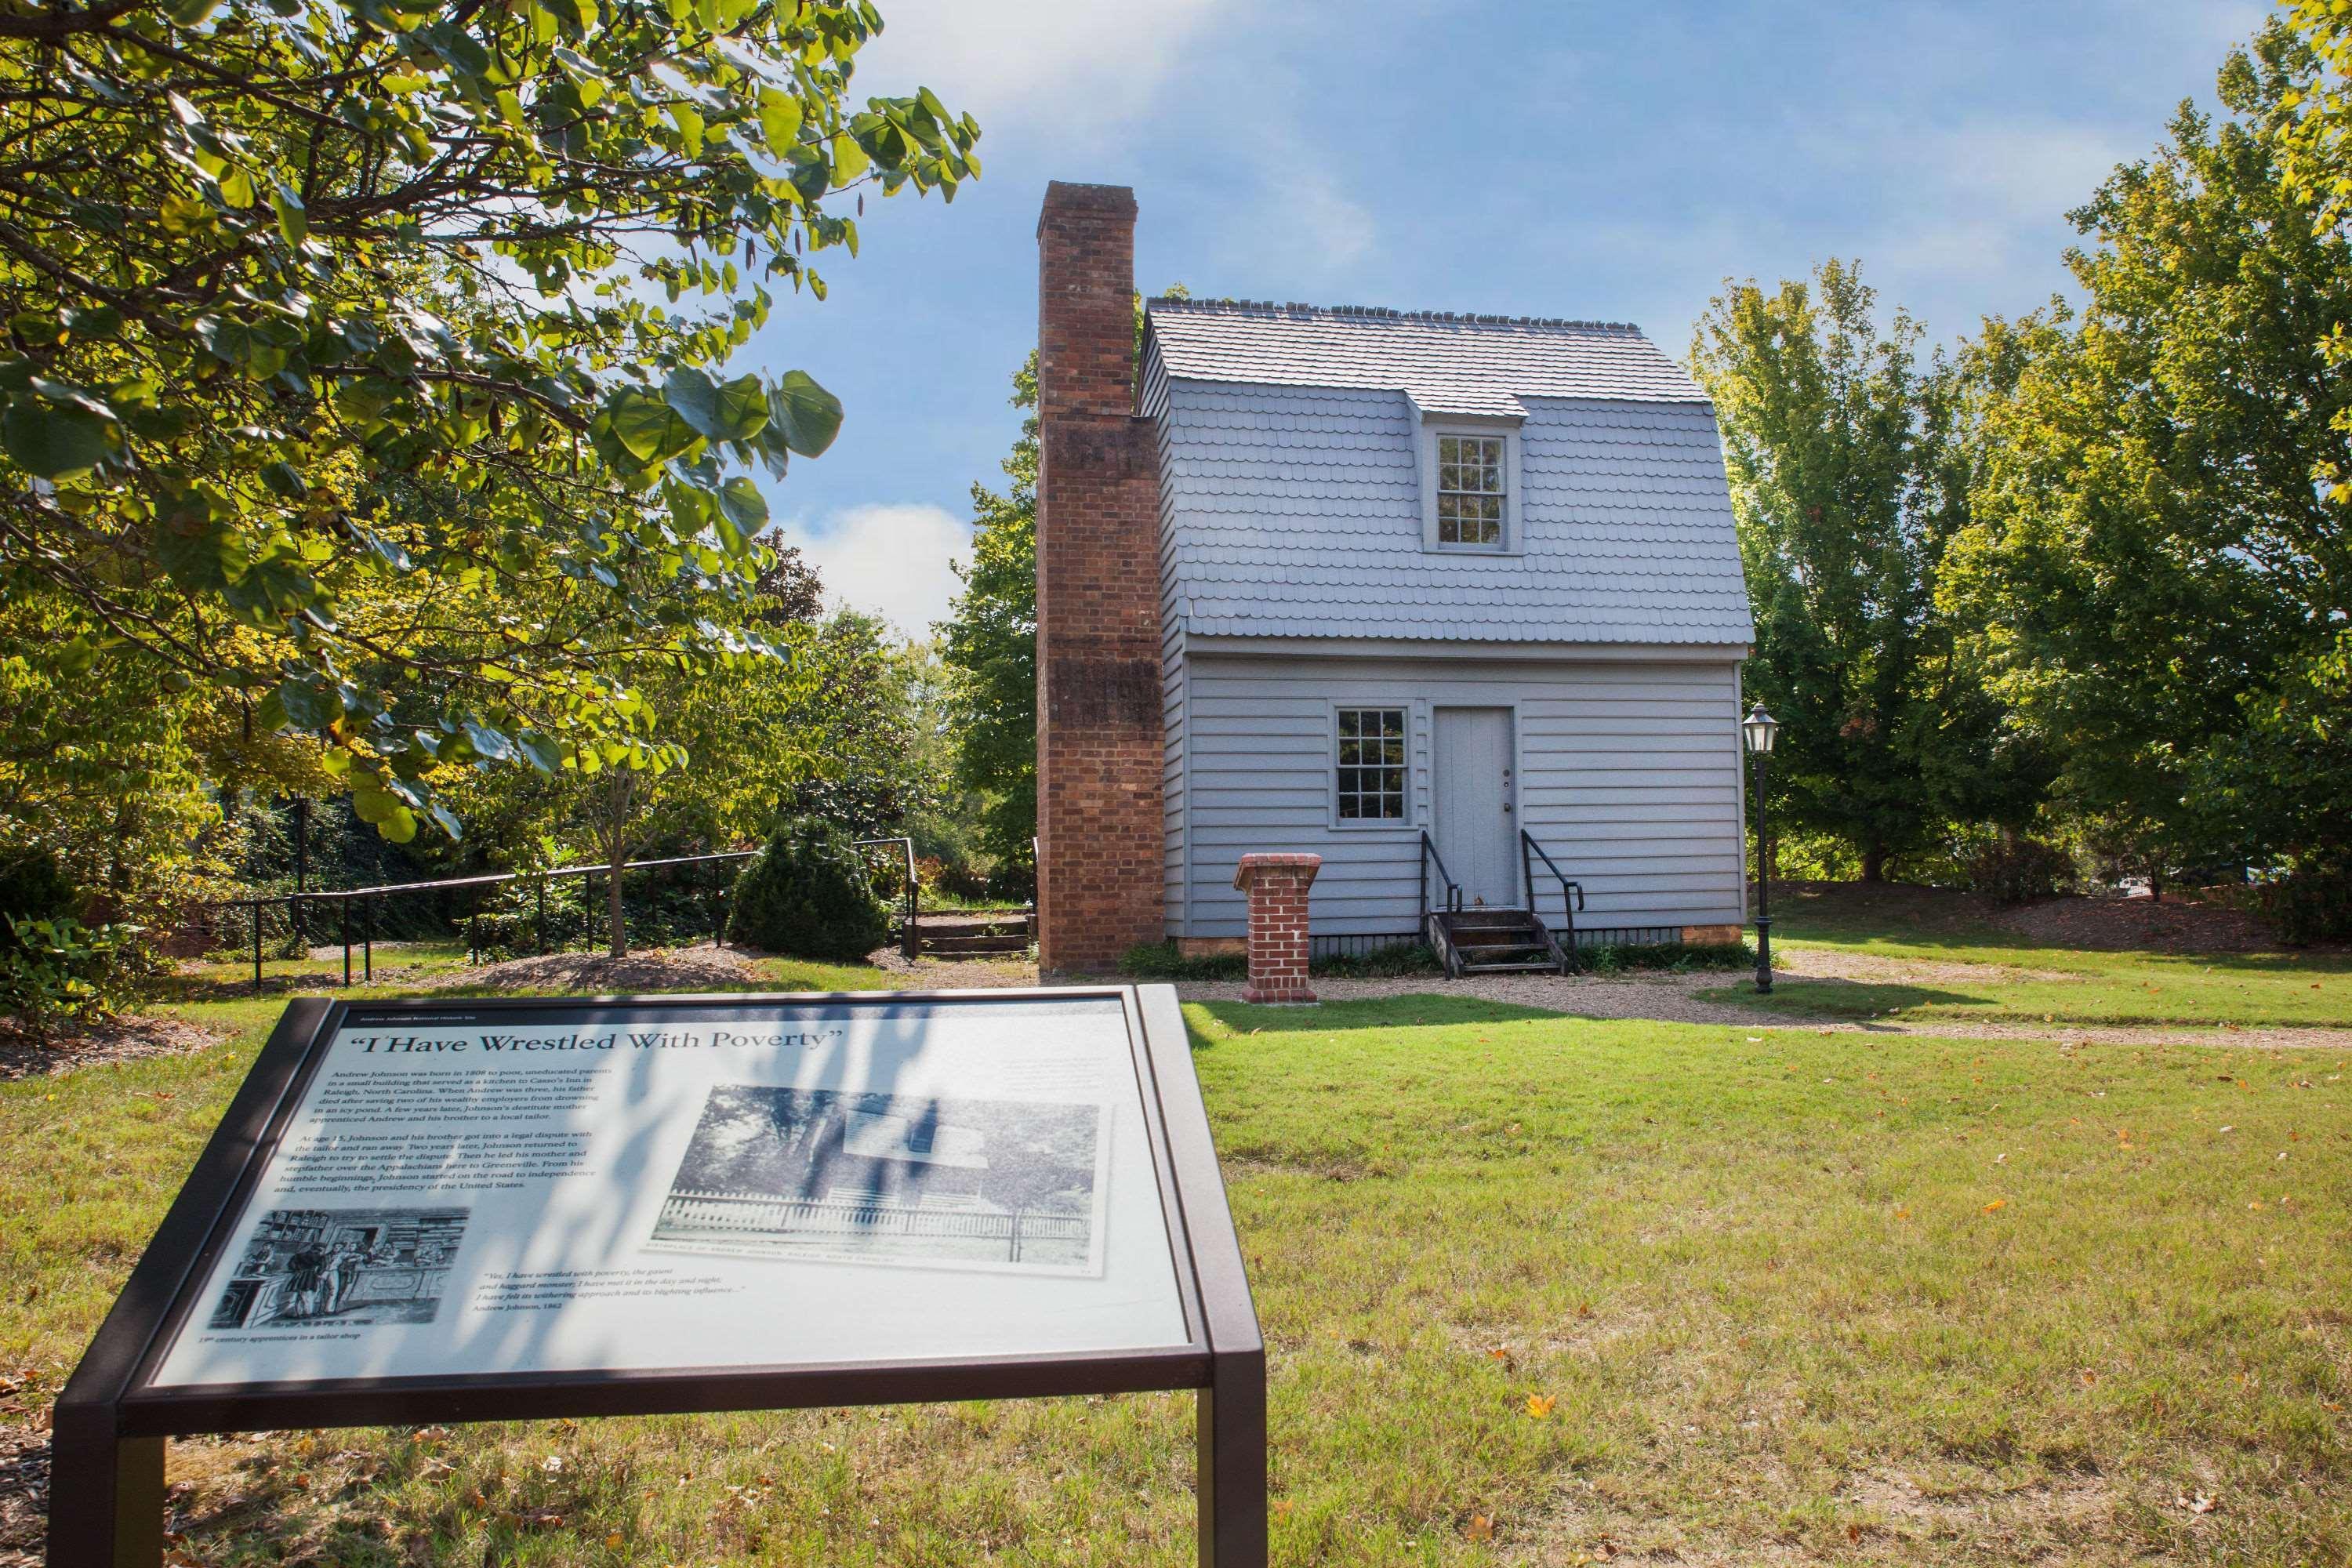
892 559
1070 64
2032 171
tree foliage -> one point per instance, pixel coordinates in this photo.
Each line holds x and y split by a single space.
2158 572
1848 477
365 362
990 640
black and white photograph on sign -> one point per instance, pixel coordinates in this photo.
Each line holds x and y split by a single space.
889 1178
316 1267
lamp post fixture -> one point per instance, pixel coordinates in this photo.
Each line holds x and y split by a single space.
1758 729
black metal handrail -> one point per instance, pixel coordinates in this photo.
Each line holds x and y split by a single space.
1430 857
1572 893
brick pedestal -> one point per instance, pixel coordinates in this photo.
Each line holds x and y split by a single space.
1276 886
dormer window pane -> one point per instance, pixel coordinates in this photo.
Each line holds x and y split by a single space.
1470 490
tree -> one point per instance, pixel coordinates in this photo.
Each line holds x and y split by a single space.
2158 563
990 642
990 638
341 335
823 732
1846 481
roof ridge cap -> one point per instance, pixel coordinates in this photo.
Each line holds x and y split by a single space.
1298 310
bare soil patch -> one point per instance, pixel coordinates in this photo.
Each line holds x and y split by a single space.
122 1040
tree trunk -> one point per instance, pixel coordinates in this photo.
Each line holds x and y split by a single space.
1874 863
620 944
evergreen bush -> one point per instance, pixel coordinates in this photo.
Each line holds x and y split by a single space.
808 894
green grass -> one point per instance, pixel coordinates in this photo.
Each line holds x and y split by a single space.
1763 1279
1946 965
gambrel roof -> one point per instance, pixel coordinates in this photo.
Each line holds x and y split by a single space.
1291 496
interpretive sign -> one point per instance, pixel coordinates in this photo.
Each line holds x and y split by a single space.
436 1210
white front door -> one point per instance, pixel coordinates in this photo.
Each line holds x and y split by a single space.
1476 828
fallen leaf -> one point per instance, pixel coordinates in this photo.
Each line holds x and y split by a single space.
615 1540
1480 1528
1540 1406
1997 1205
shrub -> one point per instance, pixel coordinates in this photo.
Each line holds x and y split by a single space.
809 895
1676 957
2311 903
55 969
2013 869
1381 964
1165 961
33 888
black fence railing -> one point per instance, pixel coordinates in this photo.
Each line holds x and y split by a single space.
357 910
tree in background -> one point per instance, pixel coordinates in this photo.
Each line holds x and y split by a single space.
341 337
989 641
824 732
1847 480
2158 573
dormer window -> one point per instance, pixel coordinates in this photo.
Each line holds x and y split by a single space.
1469 465
1470 490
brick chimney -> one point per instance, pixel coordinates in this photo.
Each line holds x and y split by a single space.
1098 723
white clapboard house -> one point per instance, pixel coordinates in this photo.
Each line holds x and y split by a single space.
1455 602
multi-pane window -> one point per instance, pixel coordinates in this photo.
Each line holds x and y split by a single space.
1372 764
1470 490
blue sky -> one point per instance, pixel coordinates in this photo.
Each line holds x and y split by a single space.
1569 159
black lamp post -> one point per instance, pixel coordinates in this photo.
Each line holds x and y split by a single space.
1758 728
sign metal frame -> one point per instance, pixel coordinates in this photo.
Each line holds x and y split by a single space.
111 1424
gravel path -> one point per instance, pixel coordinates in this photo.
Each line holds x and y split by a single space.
1675 999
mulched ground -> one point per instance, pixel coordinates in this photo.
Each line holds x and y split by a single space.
2174 923
24 1494
87 1045
704 967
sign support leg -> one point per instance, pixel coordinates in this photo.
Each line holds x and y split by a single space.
106 1504
1232 1481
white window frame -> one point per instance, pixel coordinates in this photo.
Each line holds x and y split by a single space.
1489 427
1331 765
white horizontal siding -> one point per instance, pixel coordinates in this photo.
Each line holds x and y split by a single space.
1629 775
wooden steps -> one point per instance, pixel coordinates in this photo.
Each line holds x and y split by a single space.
983 933
1496 941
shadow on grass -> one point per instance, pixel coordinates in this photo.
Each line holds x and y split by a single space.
1841 999
1383 1012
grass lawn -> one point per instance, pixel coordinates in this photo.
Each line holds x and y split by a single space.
1963 967
1536 1290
